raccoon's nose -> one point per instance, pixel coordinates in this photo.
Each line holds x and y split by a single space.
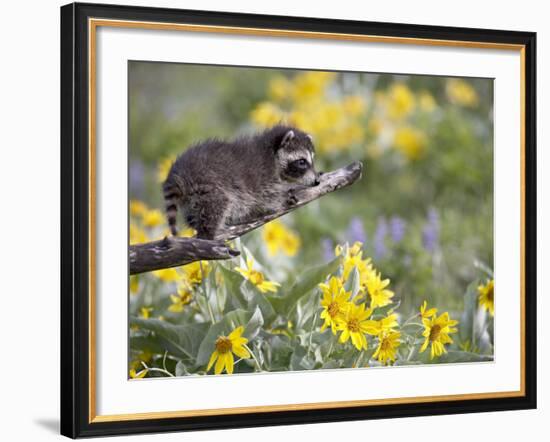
317 179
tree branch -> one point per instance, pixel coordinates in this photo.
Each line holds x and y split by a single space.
173 252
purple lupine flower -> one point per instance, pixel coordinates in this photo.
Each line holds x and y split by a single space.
380 249
356 232
397 228
430 232
137 178
328 249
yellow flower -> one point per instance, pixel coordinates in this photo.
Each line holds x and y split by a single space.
267 114
188 232
387 345
134 284
487 296
257 278
379 295
426 101
195 271
311 85
225 347
153 218
334 303
278 237
400 101
436 331
137 375
354 105
461 92
355 325
145 312
353 257
410 142
137 208
163 167
180 300
280 88
385 325
425 312
137 235
167 275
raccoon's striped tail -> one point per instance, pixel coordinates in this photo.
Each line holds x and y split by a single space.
172 194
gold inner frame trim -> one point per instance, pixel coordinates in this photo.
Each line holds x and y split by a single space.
93 24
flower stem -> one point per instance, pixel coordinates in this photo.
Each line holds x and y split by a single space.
259 367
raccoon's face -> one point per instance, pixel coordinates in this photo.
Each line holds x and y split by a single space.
295 158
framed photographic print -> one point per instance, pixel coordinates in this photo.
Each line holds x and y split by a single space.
275 220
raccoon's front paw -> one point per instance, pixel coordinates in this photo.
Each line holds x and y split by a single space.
291 199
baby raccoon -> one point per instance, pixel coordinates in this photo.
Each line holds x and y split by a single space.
219 183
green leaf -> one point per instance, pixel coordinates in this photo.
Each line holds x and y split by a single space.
233 282
182 340
462 356
258 299
466 327
353 282
181 369
305 283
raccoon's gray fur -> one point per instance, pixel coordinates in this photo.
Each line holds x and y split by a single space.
217 183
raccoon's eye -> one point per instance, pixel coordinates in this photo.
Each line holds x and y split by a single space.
301 163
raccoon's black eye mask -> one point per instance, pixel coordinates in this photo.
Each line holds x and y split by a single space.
297 168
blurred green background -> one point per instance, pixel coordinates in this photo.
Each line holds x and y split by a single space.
424 207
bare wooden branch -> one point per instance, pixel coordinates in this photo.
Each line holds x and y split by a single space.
173 252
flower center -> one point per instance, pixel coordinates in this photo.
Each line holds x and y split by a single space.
353 325
256 277
333 309
385 345
223 344
434 332
491 294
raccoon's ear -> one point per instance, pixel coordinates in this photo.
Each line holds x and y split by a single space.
289 136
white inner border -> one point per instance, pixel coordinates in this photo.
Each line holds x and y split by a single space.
116 395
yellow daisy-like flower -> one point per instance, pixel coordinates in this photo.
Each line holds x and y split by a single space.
353 257
225 347
334 303
436 331
425 312
137 375
163 167
379 295
411 142
426 101
387 345
167 275
279 238
461 92
134 284
137 208
385 325
400 101
153 218
137 235
267 114
180 300
487 296
145 312
355 324
196 271
257 278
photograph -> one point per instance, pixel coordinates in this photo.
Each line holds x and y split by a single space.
322 220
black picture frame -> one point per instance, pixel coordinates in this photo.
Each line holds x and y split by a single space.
75 220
